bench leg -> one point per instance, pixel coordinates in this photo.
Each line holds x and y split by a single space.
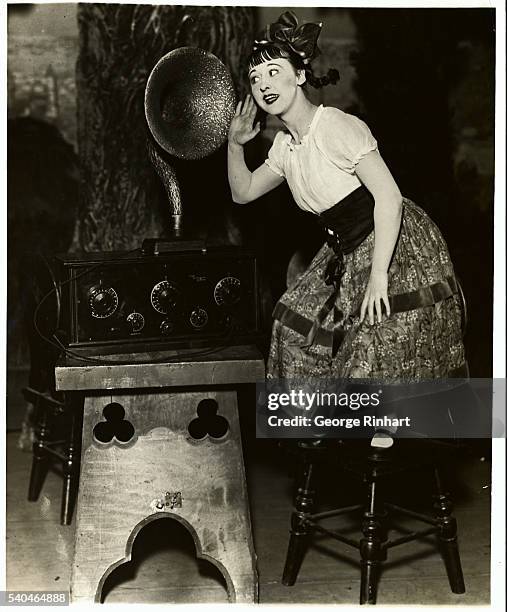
183 461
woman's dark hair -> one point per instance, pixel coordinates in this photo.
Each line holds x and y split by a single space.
268 52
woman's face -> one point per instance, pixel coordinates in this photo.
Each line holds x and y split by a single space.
274 85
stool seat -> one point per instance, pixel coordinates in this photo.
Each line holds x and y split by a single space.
161 439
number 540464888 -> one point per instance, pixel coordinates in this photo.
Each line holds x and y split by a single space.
45 598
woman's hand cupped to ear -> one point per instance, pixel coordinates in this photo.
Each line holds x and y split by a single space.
242 128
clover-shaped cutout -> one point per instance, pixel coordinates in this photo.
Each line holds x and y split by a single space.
208 422
115 426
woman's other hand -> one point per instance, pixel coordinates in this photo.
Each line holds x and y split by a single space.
376 293
242 128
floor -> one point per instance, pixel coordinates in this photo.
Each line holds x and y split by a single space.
164 569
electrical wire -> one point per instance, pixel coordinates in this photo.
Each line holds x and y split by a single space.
57 288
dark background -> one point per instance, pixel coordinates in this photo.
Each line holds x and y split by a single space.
423 80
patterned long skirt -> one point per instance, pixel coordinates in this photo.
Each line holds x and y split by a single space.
421 339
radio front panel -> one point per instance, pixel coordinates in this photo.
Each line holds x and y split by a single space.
164 298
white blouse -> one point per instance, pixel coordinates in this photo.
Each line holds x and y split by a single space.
320 171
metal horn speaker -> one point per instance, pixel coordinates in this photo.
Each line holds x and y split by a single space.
189 102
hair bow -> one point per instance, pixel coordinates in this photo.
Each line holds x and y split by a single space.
287 33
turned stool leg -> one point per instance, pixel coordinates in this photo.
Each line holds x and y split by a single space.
300 532
371 546
40 460
448 537
71 468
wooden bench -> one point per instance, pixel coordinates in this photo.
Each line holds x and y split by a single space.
162 438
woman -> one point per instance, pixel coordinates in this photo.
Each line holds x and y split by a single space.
380 299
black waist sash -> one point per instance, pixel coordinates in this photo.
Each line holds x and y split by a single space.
351 222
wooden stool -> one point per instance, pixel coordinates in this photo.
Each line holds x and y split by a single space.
373 467
56 418
56 439
162 440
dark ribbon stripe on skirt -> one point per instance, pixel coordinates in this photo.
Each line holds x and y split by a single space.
401 302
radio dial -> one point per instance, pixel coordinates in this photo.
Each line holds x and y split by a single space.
135 321
198 318
227 291
165 297
103 301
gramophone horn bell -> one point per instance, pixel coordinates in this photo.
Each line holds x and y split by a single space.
189 102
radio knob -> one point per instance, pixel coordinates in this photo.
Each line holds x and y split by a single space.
166 327
165 297
198 318
103 301
135 321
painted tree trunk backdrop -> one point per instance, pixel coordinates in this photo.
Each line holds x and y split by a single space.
122 200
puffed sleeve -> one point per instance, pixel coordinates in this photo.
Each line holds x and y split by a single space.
274 160
344 139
